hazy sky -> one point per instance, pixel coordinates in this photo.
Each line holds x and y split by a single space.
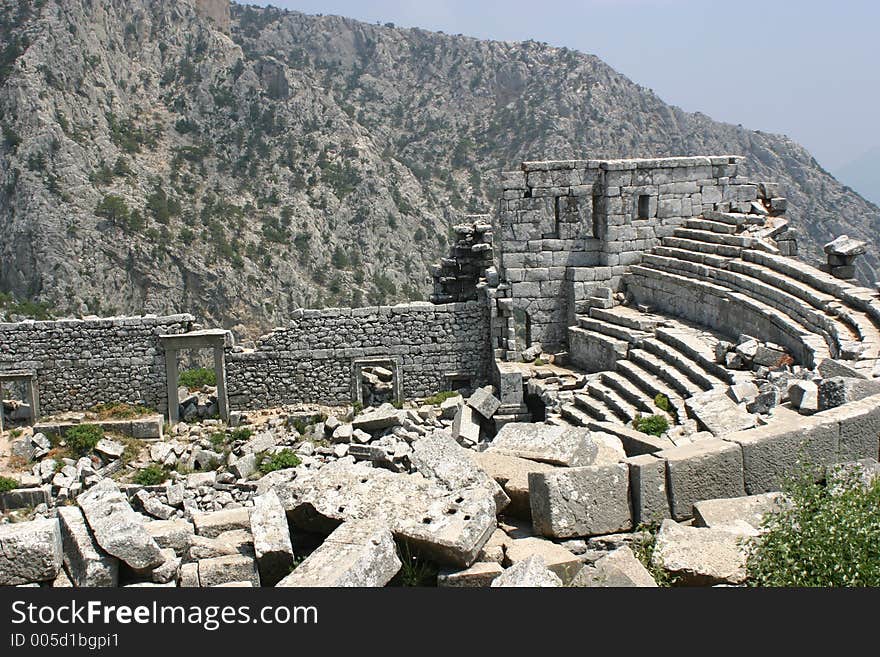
807 69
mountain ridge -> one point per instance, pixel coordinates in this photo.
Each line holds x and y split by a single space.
153 160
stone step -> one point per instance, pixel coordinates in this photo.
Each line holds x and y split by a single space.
614 330
732 218
711 226
715 238
702 247
683 254
684 364
628 317
594 408
614 401
573 415
633 395
698 347
651 384
661 369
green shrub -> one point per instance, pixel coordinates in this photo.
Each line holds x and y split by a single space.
280 461
152 475
218 439
643 548
827 536
655 425
416 571
539 362
440 397
197 378
661 401
242 433
7 484
82 438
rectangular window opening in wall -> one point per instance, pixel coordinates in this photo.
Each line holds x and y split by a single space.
644 209
459 382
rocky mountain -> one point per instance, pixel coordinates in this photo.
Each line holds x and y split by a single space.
238 162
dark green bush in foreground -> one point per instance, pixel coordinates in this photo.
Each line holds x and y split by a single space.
281 461
7 484
152 475
829 536
656 425
83 438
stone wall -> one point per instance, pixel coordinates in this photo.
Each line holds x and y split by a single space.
81 363
569 227
313 359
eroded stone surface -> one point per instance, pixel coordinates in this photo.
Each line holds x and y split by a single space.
556 445
30 552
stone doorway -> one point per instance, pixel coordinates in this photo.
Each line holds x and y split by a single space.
375 381
31 397
217 340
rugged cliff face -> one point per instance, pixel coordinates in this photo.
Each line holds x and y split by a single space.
155 158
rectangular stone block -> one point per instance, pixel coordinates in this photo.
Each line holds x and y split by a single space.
773 453
574 502
232 568
272 543
859 428
30 552
359 553
703 470
569 446
647 483
216 522
87 564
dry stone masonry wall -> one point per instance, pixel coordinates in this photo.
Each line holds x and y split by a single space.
432 348
81 363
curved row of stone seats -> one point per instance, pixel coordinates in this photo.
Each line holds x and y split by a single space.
724 310
846 316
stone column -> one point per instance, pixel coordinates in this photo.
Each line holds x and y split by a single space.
220 369
33 393
171 385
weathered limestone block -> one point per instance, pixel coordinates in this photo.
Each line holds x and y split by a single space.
718 413
216 522
233 568
560 561
703 470
87 563
30 552
839 390
859 423
188 576
568 446
174 534
271 536
647 482
529 573
359 553
377 419
450 526
439 457
830 368
169 571
804 396
466 426
512 474
699 556
728 513
783 448
618 569
117 528
480 575
484 402
588 501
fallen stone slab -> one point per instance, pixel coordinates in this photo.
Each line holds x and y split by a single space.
480 575
846 247
840 390
117 528
30 552
466 426
23 498
512 474
359 553
700 556
110 448
384 417
439 457
575 502
169 570
232 568
174 534
564 563
728 513
154 507
449 406
804 397
718 413
706 469
830 368
529 573
618 569
557 445
610 448
214 523
87 564
484 402
449 526
271 536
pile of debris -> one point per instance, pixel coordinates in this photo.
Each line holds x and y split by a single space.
470 261
377 385
197 404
